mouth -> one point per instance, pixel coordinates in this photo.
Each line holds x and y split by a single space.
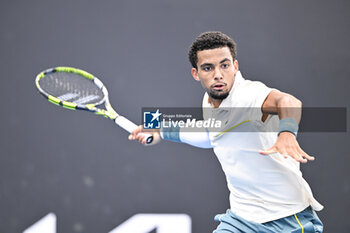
218 86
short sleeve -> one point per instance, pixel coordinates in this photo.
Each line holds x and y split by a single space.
252 96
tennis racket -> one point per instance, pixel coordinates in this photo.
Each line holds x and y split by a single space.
77 89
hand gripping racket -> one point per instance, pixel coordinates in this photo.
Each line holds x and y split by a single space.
77 89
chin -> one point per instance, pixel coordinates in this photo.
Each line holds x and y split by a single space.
218 95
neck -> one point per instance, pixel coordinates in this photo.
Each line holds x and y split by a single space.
215 102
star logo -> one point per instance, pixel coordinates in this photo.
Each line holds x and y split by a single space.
156 115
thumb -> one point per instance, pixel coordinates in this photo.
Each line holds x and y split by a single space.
268 151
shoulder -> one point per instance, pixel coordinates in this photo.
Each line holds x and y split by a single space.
251 93
251 86
243 85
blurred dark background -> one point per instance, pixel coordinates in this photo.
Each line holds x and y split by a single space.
82 168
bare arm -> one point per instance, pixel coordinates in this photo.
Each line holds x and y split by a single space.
286 106
283 104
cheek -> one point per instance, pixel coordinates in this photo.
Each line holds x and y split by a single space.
229 79
230 83
205 83
204 79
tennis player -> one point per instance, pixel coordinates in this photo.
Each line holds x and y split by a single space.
267 190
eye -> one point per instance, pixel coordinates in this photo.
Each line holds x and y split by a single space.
225 65
206 68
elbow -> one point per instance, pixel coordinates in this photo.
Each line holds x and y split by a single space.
298 102
288 100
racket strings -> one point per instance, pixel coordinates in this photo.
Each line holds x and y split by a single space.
72 87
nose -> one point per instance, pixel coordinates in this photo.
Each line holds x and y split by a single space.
217 74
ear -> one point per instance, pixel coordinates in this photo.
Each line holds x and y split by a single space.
235 64
194 72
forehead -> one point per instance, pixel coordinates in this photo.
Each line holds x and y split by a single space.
213 55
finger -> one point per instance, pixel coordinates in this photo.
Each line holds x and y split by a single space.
137 130
300 158
134 134
284 153
139 137
143 142
305 155
142 138
297 156
268 151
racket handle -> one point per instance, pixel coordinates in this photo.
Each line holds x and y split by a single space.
130 126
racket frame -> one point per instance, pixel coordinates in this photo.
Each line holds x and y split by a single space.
109 112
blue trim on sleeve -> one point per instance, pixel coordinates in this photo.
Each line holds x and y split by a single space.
171 134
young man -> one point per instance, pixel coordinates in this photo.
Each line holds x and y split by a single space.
267 190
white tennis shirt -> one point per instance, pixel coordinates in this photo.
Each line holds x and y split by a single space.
262 188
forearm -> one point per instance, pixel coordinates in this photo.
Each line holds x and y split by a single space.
289 113
289 107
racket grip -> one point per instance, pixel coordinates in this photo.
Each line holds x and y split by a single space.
130 126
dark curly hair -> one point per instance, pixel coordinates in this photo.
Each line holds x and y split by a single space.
210 40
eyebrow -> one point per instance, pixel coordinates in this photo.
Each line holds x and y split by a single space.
225 60
210 64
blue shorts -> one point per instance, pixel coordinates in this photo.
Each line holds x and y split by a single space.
305 221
